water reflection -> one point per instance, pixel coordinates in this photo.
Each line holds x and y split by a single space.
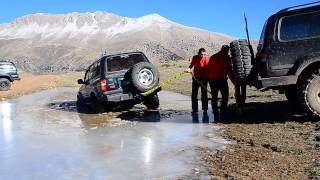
147 150
195 118
5 117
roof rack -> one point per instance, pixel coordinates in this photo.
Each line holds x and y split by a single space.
299 6
121 52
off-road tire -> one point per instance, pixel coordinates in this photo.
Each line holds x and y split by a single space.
141 70
152 101
81 107
241 60
309 92
97 106
5 84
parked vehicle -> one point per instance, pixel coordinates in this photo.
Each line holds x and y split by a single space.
8 74
288 57
118 80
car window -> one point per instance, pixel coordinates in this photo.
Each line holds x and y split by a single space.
300 26
123 62
95 70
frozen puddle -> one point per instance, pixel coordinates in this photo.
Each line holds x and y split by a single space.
44 137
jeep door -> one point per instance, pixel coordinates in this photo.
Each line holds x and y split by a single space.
95 78
85 88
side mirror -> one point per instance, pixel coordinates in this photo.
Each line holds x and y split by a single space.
80 81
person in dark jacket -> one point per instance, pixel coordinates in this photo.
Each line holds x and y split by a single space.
219 67
199 64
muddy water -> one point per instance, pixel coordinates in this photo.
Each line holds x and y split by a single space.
45 136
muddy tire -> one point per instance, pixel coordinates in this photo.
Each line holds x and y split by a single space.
5 84
309 92
241 60
81 107
152 101
144 76
97 106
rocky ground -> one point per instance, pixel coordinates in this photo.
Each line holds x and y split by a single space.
270 140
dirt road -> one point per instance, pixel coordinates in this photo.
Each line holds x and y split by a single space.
45 136
28 84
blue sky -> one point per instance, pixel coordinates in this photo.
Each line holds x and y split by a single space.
217 16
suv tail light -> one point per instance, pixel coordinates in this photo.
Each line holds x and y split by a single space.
263 57
263 65
103 85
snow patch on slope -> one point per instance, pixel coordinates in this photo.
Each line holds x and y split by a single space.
29 29
134 25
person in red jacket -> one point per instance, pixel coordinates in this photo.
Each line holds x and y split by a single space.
219 67
199 64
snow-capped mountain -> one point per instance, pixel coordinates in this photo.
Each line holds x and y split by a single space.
60 42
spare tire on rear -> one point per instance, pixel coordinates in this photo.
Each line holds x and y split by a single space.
144 76
241 60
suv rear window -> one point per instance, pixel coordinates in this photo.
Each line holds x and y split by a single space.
123 62
300 26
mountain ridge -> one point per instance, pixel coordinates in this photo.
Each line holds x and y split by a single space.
68 42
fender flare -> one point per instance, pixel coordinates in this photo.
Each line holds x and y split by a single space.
303 63
7 77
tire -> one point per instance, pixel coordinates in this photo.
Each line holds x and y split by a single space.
5 84
81 107
241 60
309 92
96 105
144 76
152 101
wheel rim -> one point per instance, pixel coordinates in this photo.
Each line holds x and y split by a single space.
146 77
313 94
318 96
4 84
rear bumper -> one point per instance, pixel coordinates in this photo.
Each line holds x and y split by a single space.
115 98
276 81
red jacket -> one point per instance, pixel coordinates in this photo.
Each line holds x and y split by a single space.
200 66
219 67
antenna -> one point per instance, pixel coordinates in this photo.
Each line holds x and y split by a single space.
247 28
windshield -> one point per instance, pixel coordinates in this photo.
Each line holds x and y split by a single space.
123 62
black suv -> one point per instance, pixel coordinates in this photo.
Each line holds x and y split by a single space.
119 80
8 74
288 57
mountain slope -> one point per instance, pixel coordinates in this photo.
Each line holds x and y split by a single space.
64 42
